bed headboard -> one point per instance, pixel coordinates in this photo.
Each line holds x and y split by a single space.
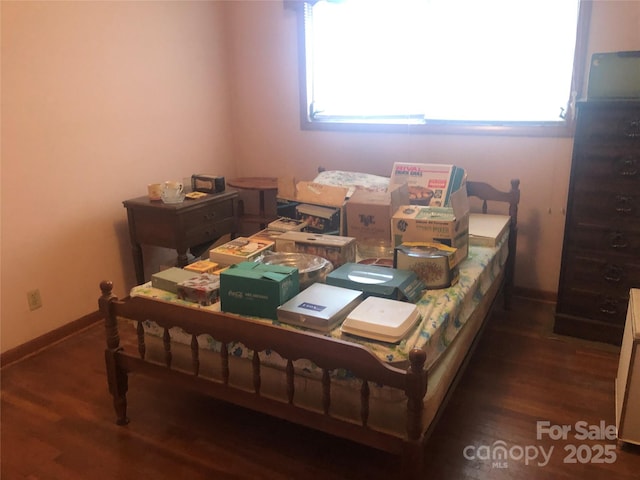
488 193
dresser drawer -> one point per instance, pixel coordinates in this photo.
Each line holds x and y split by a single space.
602 307
604 239
613 170
610 208
599 123
612 274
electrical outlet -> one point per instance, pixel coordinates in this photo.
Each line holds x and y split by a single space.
34 299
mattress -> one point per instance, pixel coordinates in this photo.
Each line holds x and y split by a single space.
443 313
388 406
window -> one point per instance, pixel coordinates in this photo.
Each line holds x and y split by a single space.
448 66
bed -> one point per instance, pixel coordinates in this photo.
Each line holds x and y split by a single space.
385 396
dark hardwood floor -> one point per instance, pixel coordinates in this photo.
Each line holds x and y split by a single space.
58 423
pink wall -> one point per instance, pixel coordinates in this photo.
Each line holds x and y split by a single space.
101 98
98 99
266 118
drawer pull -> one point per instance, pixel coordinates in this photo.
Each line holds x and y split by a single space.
632 129
624 204
210 216
608 307
613 273
627 167
618 241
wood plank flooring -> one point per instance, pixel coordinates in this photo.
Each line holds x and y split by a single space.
58 423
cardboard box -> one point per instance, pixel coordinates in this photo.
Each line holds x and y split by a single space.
319 219
315 194
285 224
429 184
433 263
369 213
319 307
203 289
337 249
486 230
449 226
238 250
381 319
257 289
265 236
202 266
378 281
168 279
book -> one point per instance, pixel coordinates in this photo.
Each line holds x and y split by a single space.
487 230
241 249
381 319
319 307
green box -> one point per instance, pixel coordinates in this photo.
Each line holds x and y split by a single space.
257 289
378 281
170 278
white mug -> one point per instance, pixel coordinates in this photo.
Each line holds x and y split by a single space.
172 192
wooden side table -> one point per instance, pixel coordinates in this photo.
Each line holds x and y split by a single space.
262 185
179 226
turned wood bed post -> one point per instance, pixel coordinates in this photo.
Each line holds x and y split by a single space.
116 376
416 390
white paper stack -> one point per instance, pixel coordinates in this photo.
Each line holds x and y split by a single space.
381 319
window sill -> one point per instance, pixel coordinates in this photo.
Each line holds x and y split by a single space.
515 129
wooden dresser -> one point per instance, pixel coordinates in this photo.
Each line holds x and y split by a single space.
601 251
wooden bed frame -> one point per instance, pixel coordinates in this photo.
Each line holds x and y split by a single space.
327 353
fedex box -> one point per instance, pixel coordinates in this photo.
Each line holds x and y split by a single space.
445 225
369 213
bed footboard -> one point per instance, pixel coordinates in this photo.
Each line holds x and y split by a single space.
326 352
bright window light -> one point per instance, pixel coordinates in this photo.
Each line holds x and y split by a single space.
449 60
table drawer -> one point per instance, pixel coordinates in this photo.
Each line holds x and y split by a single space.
214 212
209 231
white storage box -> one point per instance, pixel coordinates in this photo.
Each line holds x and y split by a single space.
319 307
381 319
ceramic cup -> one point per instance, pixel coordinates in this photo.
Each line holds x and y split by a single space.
155 191
172 192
